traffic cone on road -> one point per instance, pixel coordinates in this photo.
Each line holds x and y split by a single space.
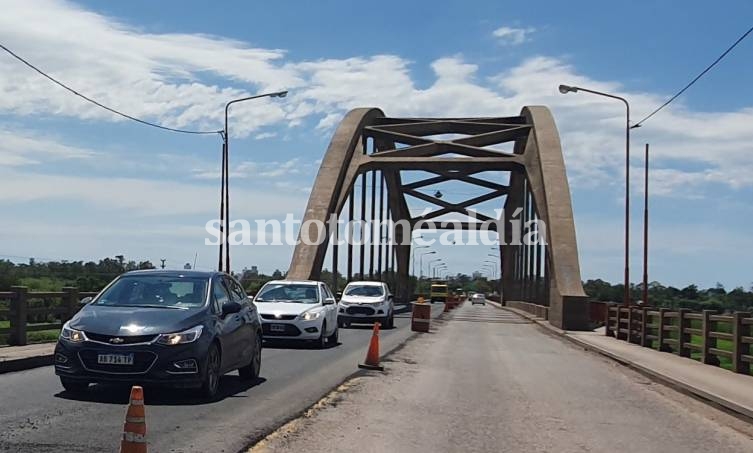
372 356
134 430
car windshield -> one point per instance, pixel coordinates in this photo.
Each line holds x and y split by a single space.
364 290
288 292
156 291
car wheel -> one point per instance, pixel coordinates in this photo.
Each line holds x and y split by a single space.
334 338
74 386
252 370
321 342
211 383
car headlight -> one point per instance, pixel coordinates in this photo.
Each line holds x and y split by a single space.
72 335
311 315
187 336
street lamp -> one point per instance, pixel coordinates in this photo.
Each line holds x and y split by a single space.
494 267
439 268
564 89
413 254
421 267
225 189
429 265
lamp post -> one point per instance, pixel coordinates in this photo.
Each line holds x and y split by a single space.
564 89
439 267
494 267
225 187
645 232
413 254
430 263
421 268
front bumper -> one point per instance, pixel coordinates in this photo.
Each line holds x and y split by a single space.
366 313
296 329
152 364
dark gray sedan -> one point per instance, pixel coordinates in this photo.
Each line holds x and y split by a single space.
179 328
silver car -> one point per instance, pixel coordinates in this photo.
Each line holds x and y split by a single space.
478 298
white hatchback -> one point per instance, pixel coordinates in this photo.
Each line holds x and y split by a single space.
478 298
298 310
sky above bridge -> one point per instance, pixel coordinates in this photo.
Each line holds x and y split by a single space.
77 182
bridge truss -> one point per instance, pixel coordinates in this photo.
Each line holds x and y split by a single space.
371 153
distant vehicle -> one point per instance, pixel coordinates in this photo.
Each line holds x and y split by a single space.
438 292
478 298
367 302
180 328
298 310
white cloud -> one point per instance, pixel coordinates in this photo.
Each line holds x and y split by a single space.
18 148
513 35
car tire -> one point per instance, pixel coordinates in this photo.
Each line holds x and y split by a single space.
389 322
252 370
211 384
334 338
74 386
321 342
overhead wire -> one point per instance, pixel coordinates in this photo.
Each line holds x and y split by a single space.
99 104
692 82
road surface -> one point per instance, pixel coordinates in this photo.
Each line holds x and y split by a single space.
489 381
36 415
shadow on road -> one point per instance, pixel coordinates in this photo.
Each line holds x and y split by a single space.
295 344
230 387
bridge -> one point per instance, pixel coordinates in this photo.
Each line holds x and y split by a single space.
500 377
369 146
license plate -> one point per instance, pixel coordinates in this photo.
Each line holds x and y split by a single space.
277 328
115 359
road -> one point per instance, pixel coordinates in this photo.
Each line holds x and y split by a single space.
489 381
36 415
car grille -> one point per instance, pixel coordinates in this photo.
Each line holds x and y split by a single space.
280 317
359 310
131 339
142 361
290 331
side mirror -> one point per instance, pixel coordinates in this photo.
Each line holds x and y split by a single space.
86 300
330 301
231 307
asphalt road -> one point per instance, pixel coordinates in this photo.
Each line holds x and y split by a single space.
489 381
36 415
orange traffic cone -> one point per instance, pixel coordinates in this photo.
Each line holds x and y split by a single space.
134 430
372 356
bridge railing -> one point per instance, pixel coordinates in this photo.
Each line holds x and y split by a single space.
540 311
24 311
711 338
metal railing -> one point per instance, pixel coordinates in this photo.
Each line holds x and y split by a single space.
33 311
713 339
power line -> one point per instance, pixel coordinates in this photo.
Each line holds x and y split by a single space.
708 68
99 104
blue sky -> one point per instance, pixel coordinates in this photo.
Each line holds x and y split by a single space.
78 183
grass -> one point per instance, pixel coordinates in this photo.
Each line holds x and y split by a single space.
42 336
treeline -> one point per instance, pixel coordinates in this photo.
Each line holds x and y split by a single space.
53 275
716 298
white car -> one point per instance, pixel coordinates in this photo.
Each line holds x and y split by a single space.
366 302
298 310
478 298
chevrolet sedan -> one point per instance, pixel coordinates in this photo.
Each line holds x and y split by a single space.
178 328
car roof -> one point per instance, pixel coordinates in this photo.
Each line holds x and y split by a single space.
366 283
175 273
295 282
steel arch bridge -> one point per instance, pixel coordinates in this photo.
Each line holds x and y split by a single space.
368 146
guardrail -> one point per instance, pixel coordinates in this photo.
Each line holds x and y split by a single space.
714 339
33 311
